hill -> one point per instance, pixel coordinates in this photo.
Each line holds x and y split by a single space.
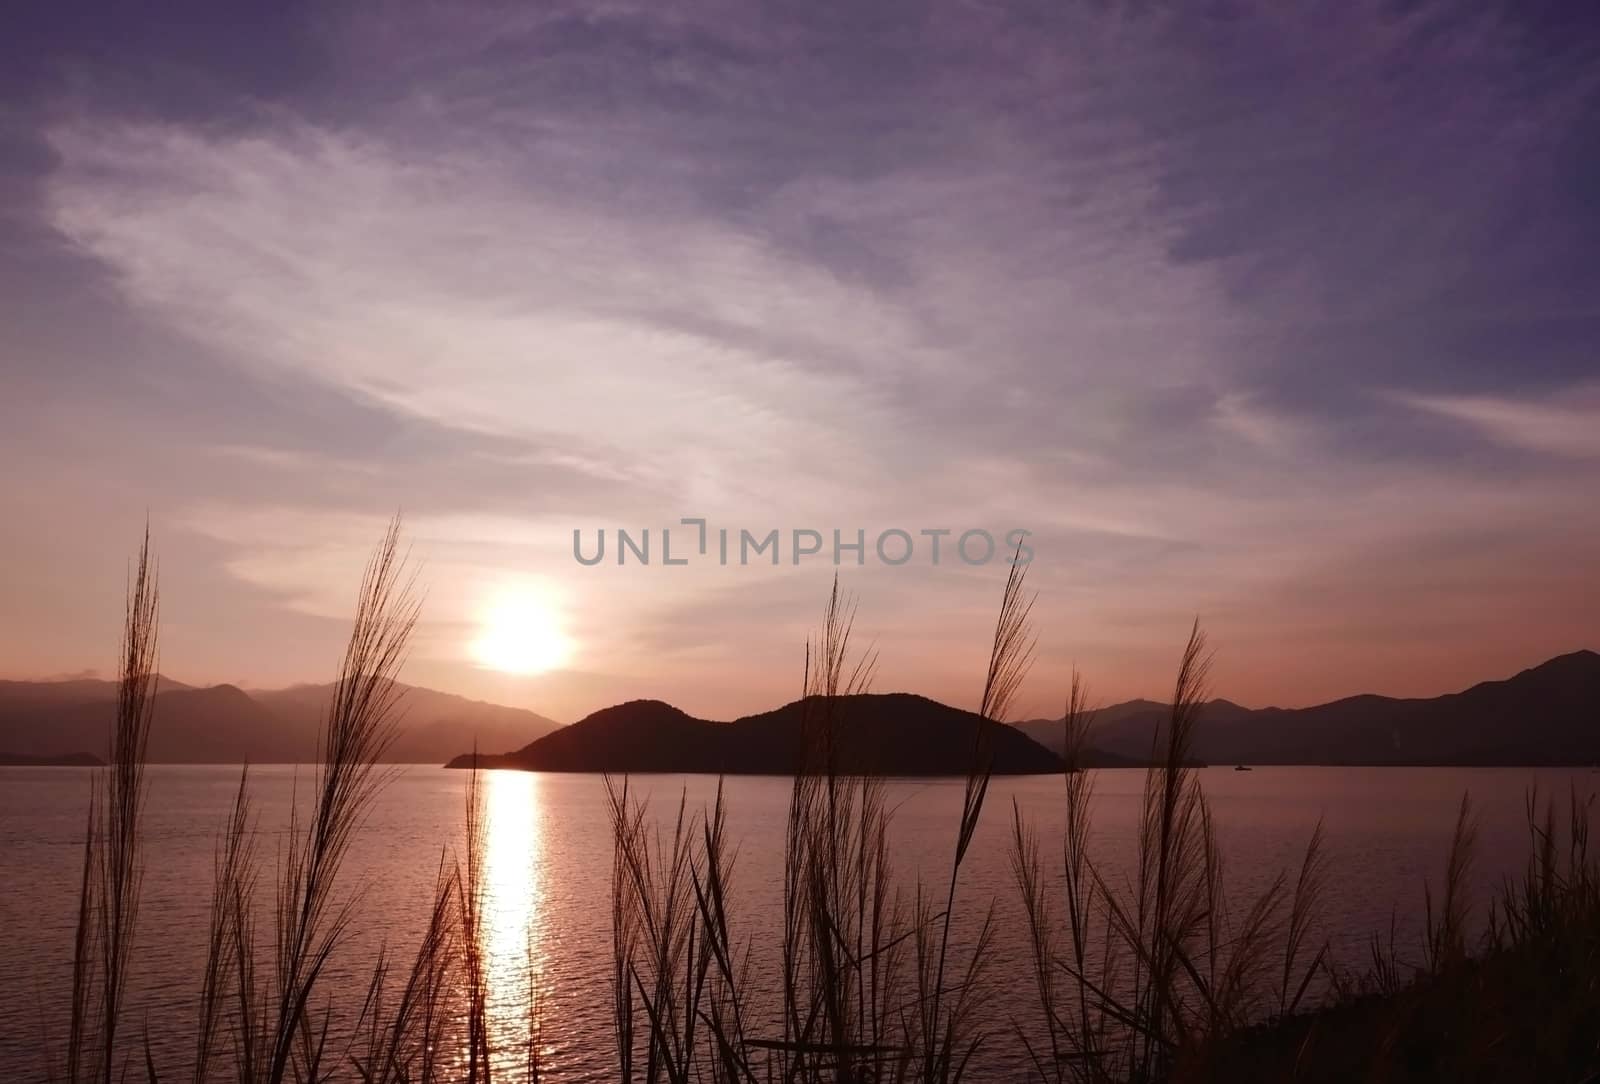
56 760
220 724
223 724
52 693
1546 715
892 734
433 726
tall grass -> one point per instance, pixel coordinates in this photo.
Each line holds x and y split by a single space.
113 866
1446 943
843 940
470 888
1518 1001
268 1018
1078 1038
661 960
946 1044
404 1042
312 916
1147 977
232 884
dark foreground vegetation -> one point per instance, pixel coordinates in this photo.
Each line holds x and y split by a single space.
1160 976
1524 1006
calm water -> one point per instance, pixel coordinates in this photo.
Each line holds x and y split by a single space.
548 865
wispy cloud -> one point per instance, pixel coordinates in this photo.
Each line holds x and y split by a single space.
1568 426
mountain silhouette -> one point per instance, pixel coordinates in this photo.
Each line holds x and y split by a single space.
1546 715
223 724
891 734
50 760
433 724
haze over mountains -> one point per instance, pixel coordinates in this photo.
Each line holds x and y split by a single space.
223 724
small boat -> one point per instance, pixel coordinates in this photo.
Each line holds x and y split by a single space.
1241 768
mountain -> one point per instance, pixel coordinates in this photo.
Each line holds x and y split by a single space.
893 734
433 725
35 694
192 726
1546 715
1549 714
50 760
224 724
1050 734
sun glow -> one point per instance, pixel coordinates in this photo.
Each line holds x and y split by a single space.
521 634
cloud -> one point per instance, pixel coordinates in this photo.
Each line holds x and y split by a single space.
699 357
1568 427
426 287
1138 281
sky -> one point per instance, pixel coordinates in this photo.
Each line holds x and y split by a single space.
1282 315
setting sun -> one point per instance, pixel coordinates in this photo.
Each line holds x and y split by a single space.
520 634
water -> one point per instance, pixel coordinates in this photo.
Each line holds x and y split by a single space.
549 870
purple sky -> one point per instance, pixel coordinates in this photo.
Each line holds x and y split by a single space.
1283 314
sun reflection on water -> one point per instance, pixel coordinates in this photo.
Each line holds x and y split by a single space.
513 916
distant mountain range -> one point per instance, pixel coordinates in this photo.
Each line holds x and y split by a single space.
50 760
1548 715
893 734
223 724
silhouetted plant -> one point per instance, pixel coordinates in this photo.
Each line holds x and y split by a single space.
1446 942
1178 969
404 1043
312 921
841 945
233 865
660 967
946 1048
113 867
470 887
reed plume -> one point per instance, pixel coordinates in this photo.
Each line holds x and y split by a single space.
470 890
312 921
1446 938
1010 656
404 1043
1178 969
113 864
840 944
233 864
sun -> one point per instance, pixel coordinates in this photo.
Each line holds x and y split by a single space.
520 633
